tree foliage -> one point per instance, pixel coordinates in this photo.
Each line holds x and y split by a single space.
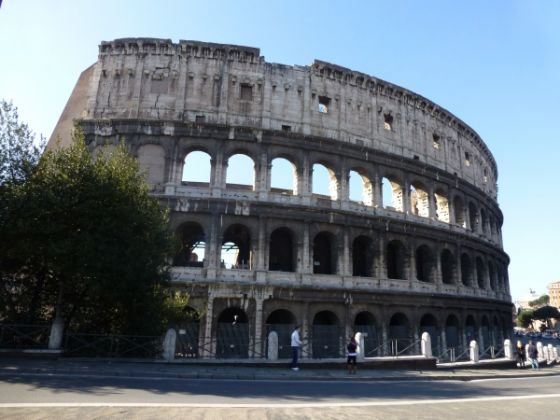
540 301
18 152
83 237
546 312
525 318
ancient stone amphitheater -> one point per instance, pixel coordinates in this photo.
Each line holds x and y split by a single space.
404 236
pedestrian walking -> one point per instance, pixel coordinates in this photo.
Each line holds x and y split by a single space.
520 351
533 355
352 351
296 342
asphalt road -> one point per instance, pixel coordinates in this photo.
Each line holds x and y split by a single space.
70 396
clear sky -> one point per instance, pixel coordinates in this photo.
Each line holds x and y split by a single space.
494 64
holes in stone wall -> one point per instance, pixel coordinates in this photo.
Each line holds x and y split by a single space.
419 200
360 188
392 194
324 182
396 256
388 122
459 210
447 267
424 264
283 176
324 253
442 206
281 251
436 141
362 256
240 172
324 104
192 243
480 273
197 168
236 250
246 92
466 270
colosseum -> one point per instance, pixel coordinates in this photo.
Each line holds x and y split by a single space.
368 208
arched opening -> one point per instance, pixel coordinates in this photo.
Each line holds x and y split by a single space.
362 256
452 333
192 243
483 221
281 250
466 270
232 337
392 194
442 206
485 335
365 323
480 273
473 216
419 200
470 329
236 248
399 334
496 337
459 210
240 173
196 169
326 337
283 177
324 253
447 267
396 260
324 182
360 188
492 276
283 323
186 345
424 264
428 323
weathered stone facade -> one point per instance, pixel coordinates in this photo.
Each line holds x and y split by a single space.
430 259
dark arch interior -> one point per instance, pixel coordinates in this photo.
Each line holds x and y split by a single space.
424 264
281 254
362 259
238 237
191 237
447 267
395 260
324 254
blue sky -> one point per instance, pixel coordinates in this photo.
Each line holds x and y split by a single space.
494 64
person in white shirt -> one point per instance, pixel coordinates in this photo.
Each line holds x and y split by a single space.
296 342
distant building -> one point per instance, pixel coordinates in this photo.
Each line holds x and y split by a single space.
554 293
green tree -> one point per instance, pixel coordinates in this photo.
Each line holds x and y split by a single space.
83 238
524 318
540 301
546 313
18 151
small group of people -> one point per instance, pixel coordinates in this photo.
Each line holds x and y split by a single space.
532 352
351 348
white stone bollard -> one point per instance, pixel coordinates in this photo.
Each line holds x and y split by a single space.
57 332
540 351
473 351
360 339
557 353
508 350
426 345
169 344
272 353
550 354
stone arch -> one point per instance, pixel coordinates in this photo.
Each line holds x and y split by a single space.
459 210
197 168
232 335
425 264
192 242
429 324
362 256
282 253
492 276
151 158
326 335
481 273
392 194
484 333
324 253
283 322
283 176
419 200
483 221
448 274
442 206
236 249
452 332
364 322
187 345
240 172
473 217
396 257
324 181
400 333
466 270
360 187
471 331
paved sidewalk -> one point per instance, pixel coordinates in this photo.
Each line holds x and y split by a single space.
237 371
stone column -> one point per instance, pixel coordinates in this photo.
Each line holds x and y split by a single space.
377 188
257 349
307 264
56 334
407 209
431 202
344 259
209 346
262 176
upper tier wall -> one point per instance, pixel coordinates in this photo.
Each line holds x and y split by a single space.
233 85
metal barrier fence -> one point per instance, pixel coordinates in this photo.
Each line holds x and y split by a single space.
24 336
101 345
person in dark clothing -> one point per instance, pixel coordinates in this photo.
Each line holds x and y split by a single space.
533 355
352 349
